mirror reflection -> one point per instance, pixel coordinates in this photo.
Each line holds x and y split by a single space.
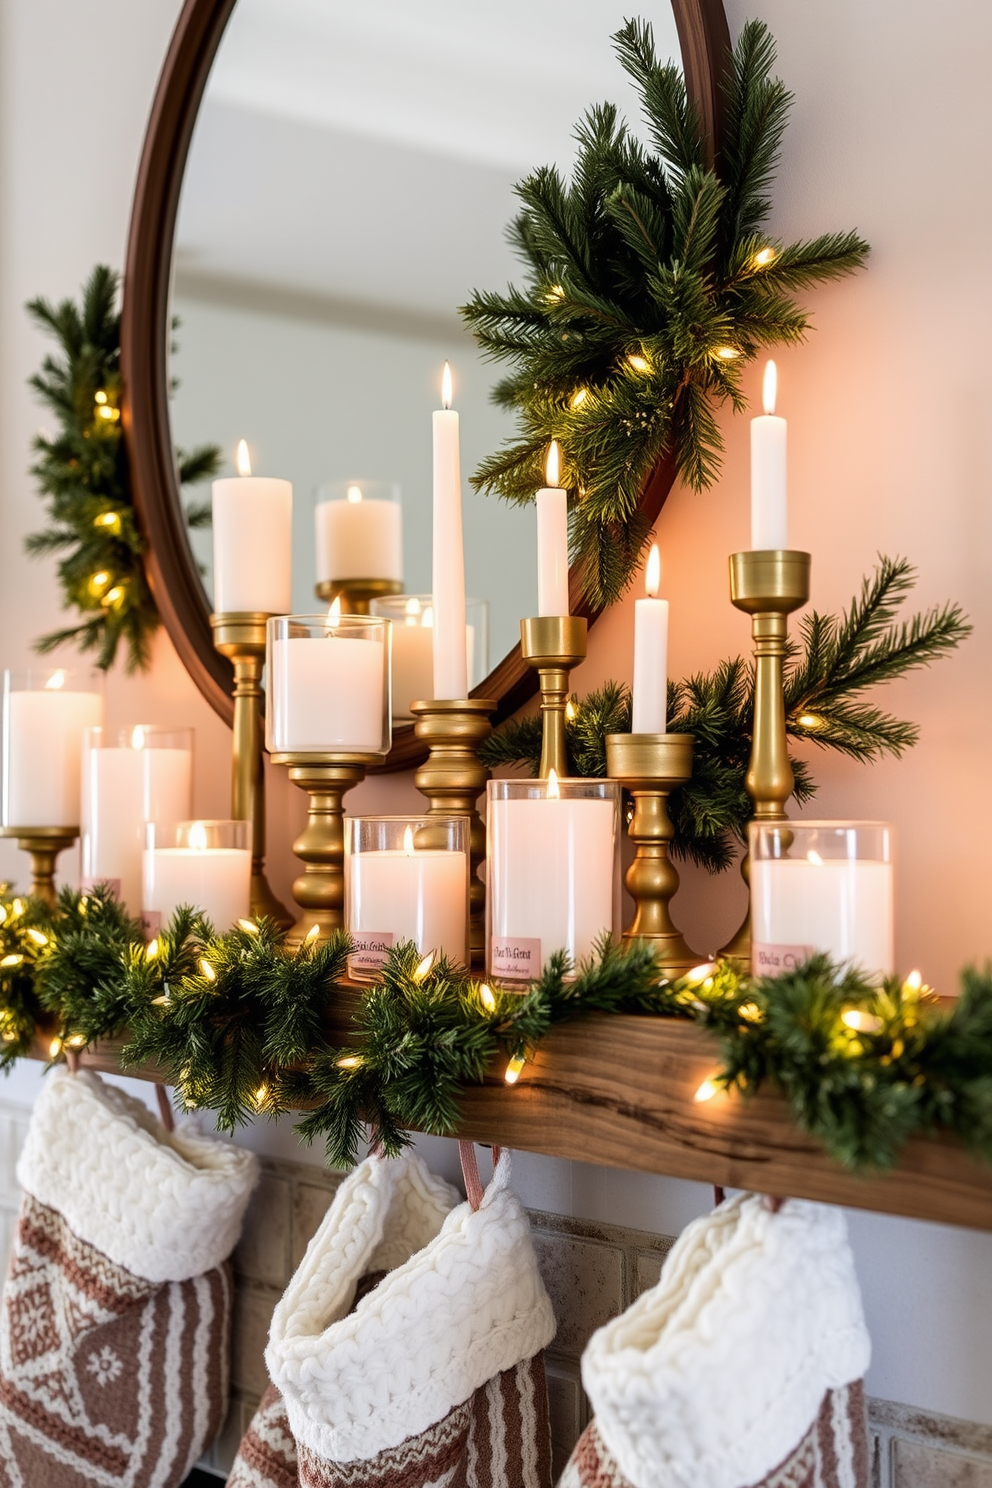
348 184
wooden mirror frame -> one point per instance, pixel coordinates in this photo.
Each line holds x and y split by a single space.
704 37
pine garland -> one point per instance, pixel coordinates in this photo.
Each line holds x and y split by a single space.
238 1026
838 658
83 474
650 283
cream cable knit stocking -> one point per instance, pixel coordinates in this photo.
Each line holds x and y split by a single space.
115 1332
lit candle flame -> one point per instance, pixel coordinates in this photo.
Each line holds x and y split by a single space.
769 387
813 858
408 840
334 613
652 575
354 494
243 459
446 386
554 790
197 838
552 464
138 737
55 681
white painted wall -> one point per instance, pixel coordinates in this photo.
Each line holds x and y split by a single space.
887 408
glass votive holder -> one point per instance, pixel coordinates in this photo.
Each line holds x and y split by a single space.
359 531
203 863
553 871
130 776
413 652
328 685
45 711
405 878
821 886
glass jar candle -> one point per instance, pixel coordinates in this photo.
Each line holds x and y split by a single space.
412 616
45 713
821 886
359 531
328 684
203 863
405 878
553 871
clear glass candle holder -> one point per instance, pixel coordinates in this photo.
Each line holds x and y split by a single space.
405 878
131 776
203 863
553 872
412 616
45 713
821 886
359 531
328 685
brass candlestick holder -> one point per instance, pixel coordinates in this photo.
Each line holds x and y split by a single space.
44 845
319 891
768 586
453 779
552 645
241 637
357 594
650 766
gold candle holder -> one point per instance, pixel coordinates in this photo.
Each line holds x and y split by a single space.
241 637
552 645
768 586
319 891
44 845
452 778
356 595
650 766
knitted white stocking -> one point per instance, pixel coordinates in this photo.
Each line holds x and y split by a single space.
436 1375
742 1368
115 1328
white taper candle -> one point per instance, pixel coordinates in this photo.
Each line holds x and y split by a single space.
450 661
650 703
552 541
769 500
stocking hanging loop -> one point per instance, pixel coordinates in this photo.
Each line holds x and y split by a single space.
474 1189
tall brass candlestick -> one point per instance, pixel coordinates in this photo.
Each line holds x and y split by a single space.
355 595
650 766
319 891
44 845
453 779
552 645
241 637
768 586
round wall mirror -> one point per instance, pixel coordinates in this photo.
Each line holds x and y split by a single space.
321 186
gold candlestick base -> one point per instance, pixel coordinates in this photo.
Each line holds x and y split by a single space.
768 586
552 645
650 766
452 779
241 637
356 594
44 845
320 888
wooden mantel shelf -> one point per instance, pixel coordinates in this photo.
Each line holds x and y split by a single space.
619 1091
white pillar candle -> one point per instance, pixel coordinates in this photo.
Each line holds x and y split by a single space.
842 906
552 542
551 878
253 542
407 894
216 880
769 502
650 695
450 669
123 788
359 537
326 691
413 656
42 747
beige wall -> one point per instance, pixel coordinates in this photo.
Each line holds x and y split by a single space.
889 452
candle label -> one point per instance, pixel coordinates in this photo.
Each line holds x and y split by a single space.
517 958
371 949
151 922
777 960
91 882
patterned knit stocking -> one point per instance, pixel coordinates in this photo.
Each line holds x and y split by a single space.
741 1369
115 1326
435 1376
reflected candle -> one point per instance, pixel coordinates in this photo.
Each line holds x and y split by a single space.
359 535
253 542
44 718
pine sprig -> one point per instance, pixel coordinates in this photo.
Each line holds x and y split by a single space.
78 975
84 477
838 659
649 283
